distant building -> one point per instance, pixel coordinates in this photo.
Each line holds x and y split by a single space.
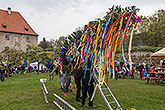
15 32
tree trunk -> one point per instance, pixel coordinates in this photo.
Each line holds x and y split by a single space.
129 50
38 68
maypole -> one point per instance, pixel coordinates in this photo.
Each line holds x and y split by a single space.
98 44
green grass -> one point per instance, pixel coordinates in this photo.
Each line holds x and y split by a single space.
23 92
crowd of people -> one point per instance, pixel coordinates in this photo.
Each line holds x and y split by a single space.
143 68
7 70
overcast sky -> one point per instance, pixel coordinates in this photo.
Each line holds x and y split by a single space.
55 18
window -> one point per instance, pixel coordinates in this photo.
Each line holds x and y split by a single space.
6 48
4 25
26 28
27 39
7 37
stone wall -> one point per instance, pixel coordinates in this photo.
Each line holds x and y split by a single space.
16 41
142 56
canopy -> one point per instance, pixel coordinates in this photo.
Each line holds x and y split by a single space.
36 64
159 54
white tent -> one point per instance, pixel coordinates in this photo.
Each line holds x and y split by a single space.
36 64
159 54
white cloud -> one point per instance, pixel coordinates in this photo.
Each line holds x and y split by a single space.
54 18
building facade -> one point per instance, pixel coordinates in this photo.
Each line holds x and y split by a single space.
15 32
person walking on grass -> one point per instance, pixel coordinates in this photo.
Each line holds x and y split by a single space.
2 73
87 83
78 72
78 78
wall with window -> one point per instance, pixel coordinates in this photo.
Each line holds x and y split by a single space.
16 41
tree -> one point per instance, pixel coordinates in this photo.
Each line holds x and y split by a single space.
39 55
152 30
12 57
57 44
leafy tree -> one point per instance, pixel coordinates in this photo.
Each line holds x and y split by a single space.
39 55
152 30
11 56
56 45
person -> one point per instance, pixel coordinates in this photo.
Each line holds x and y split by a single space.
17 69
163 66
35 68
87 83
152 64
127 69
46 69
116 73
42 69
2 73
22 69
111 71
131 74
144 64
67 83
141 67
147 67
145 72
78 76
124 71
29 69
152 69
61 80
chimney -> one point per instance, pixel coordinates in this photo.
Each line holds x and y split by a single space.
9 10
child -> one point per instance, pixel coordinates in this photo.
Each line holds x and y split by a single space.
67 84
152 69
130 74
145 72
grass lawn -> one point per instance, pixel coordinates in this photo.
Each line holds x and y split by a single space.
23 92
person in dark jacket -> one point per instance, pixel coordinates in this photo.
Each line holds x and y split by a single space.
141 67
2 73
87 83
78 72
